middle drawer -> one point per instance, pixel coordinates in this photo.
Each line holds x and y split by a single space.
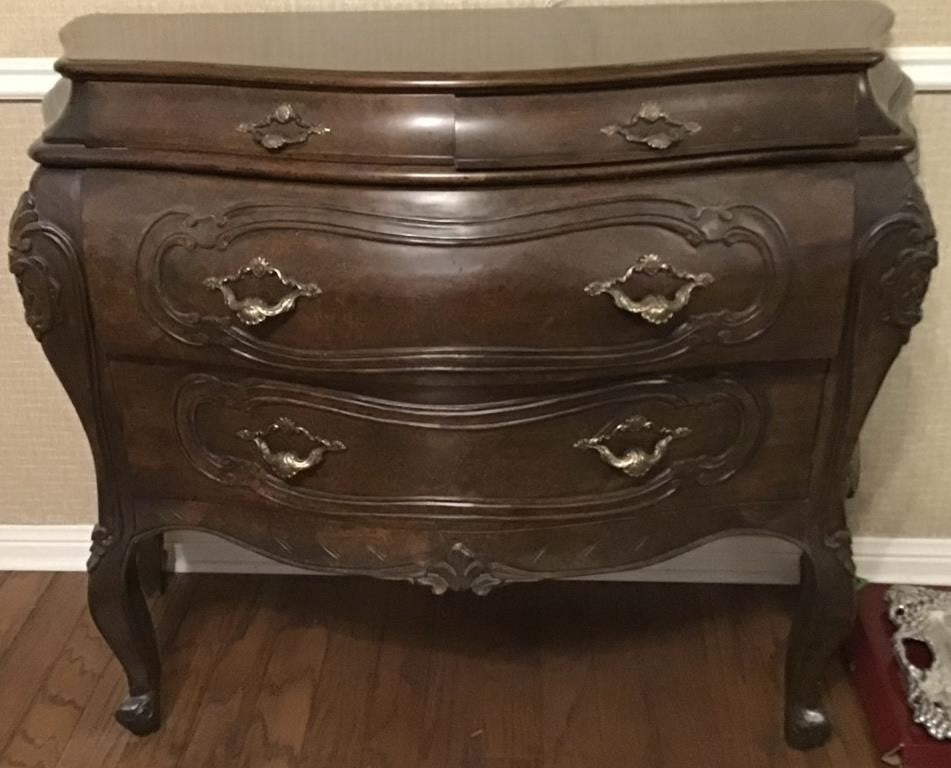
663 274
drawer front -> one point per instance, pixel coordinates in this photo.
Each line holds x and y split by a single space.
661 444
508 131
290 124
625 277
651 123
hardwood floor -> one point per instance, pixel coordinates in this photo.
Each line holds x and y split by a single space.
377 675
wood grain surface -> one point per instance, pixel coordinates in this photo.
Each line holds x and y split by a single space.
353 673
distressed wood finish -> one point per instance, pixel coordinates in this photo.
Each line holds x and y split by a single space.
477 325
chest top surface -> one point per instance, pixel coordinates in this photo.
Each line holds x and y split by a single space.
462 47
479 96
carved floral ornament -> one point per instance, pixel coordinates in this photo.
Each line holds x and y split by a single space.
840 543
38 288
460 570
905 283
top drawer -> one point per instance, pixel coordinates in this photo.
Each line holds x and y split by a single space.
650 123
326 126
447 131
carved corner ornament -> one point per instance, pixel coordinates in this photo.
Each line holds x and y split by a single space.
905 283
840 543
38 288
102 540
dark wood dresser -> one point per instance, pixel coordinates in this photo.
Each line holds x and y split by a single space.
476 297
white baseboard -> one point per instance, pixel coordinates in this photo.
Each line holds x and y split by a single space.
44 547
928 66
738 560
28 79
909 561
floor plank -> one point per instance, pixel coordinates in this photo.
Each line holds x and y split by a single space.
271 672
219 607
19 595
395 715
42 735
231 695
27 661
289 673
351 612
96 739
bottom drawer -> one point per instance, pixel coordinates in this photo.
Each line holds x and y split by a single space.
654 444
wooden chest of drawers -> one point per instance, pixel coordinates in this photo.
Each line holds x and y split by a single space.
469 298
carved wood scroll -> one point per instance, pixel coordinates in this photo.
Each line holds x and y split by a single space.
38 287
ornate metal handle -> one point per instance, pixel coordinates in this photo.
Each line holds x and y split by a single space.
635 462
281 128
287 464
252 310
653 127
654 308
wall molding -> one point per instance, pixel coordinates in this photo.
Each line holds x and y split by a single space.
929 66
28 79
44 547
738 560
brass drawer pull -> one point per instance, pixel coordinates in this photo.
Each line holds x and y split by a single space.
253 310
287 464
281 128
653 127
654 308
635 462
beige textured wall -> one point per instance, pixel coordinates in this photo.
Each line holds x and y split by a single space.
906 444
46 473
28 28
45 468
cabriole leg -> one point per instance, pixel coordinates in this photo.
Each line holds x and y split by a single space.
825 616
119 609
